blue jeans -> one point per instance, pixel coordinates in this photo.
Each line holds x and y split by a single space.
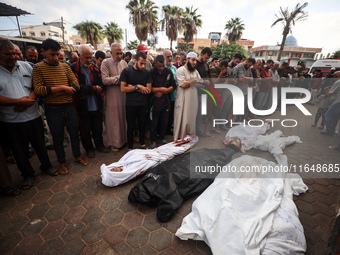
332 117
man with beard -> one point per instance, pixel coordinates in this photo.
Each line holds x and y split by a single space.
136 82
32 55
89 103
168 63
232 65
115 115
186 98
163 83
202 67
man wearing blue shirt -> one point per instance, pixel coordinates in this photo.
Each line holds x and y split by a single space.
19 114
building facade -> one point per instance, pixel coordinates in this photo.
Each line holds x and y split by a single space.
291 52
214 39
53 30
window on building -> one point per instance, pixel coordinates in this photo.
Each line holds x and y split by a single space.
285 54
42 34
24 33
310 55
32 33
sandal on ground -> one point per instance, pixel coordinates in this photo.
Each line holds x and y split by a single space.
81 161
321 127
336 148
28 183
11 192
313 125
62 169
51 171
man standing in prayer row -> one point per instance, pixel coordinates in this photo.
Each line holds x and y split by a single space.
181 61
89 103
19 115
136 83
186 104
168 63
163 83
57 83
115 113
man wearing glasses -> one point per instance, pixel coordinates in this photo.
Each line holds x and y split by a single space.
115 119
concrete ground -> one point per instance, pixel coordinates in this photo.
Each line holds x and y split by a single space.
76 214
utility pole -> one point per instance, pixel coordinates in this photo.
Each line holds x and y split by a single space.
19 26
125 38
62 28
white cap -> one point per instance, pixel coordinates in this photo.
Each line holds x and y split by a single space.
191 55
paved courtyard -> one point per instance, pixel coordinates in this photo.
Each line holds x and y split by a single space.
76 214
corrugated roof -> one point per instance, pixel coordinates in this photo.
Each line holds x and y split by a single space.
8 10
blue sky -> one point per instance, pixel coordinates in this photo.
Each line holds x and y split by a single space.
321 29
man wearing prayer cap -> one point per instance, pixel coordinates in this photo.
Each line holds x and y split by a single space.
186 104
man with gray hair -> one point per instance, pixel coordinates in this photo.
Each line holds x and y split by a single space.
19 116
89 103
115 121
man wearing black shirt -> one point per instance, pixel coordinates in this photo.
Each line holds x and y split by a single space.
136 81
203 68
163 83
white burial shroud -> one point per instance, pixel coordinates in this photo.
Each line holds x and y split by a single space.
249 215
136 162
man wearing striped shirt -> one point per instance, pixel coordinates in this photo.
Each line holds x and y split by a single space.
56 83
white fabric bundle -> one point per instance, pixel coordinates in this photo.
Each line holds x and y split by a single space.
247 135
136 162
250 215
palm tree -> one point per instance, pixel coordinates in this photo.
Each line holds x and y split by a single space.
190 22
288 19
132 45
113 32
172 22
143 15
89 30
234 29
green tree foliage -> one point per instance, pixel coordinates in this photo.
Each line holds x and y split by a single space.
113 32
190 22
336 54
228 51
153 41
288 19
234 29
143 16
132 45
91 31
172 22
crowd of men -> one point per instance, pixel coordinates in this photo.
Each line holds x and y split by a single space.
137 95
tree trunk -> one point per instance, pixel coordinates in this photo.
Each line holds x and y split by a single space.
171 45
285 33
